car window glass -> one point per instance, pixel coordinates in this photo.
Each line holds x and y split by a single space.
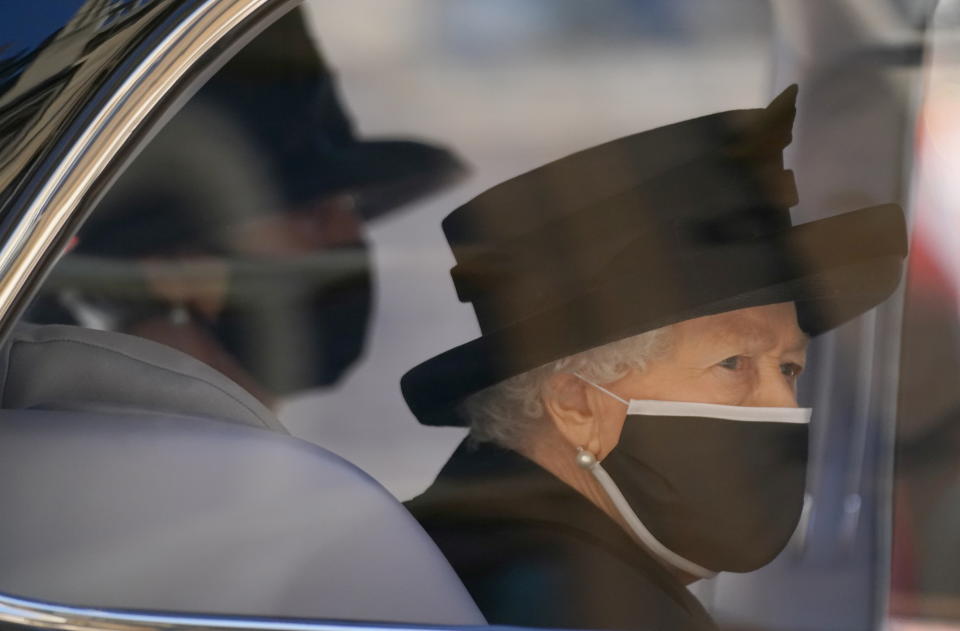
925 580
322 224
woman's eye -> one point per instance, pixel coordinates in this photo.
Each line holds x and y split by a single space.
791 370
732 363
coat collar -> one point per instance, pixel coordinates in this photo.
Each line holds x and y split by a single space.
483 485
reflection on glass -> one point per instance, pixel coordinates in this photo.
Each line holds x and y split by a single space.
238 236
926 561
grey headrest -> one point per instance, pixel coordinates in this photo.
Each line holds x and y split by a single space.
59 366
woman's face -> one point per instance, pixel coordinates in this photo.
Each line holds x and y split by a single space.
749 357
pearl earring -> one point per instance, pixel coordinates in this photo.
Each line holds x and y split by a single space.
585 459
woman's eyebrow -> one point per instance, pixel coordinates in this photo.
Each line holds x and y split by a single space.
800 344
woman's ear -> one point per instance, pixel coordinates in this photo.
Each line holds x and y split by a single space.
577 412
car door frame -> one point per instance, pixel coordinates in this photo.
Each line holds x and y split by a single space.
55 194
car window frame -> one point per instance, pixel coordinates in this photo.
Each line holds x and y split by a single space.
130 105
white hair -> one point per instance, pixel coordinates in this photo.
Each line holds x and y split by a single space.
508 412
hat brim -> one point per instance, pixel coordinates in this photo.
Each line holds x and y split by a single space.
849 263
383 175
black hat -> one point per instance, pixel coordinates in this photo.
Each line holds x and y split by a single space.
283 92
666 225
280 94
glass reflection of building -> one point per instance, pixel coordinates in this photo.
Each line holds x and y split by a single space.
38 86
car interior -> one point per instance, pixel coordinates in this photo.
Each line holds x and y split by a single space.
200 408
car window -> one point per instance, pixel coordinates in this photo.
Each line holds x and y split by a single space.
925 581
645 311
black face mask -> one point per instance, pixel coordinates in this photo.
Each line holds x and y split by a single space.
292 323
708 488
301 323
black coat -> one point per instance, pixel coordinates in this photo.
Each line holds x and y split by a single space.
534 552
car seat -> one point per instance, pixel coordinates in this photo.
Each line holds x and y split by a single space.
134 477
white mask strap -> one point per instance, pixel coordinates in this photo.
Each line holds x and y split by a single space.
641 532
626 512
708 410
602 389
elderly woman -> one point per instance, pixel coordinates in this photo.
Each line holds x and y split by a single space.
645 308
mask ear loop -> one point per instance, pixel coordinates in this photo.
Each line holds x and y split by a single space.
602 389
641 532
588 461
